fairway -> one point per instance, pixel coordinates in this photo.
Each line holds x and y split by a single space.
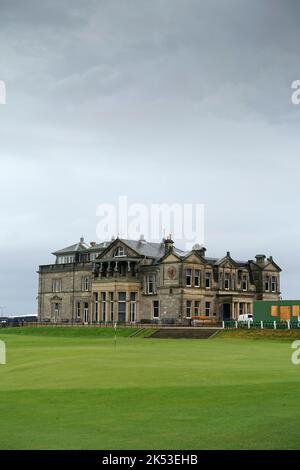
72 388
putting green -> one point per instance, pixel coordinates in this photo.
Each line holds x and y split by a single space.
75 390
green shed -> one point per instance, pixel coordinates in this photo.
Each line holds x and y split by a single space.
280 310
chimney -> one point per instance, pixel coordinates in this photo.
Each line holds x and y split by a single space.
200 249
142 239
260 259
168 244
92 244
81 239
228 254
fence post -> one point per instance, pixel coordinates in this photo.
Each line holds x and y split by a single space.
236 325
261 324
289 324
223 325
274 325
248 324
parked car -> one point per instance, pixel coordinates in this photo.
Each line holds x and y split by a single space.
246 317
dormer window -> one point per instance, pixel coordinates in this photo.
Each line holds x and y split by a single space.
273 284
227 281
188 277
245 282
267 284
120 251
207 279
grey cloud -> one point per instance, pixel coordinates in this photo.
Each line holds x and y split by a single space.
165 101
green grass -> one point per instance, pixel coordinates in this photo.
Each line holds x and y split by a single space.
70 388
69 332
258 334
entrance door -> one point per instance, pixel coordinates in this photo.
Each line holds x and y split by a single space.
226 312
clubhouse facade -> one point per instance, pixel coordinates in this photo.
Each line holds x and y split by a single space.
140 281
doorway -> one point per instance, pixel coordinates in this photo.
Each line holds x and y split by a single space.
226 312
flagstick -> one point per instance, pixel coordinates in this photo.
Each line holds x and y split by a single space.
115 335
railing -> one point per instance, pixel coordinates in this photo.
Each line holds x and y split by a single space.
207 324
274 325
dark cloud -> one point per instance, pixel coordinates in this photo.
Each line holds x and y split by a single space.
165 101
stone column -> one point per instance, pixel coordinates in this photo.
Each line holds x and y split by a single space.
127 317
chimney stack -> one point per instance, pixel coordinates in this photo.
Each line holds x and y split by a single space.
168 244
200 249
260 259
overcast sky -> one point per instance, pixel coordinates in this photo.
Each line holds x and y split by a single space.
164 101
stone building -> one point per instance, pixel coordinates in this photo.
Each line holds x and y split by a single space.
140 281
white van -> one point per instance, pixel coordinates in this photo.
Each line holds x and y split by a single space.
246 317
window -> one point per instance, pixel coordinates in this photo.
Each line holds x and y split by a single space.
56 311
56 285
111 308
273 284
227 281
122 307
85 286
120 251
188 277
66 259
188 308
196 308
267 283
86 312
78 309
207 279
197 278
241 308
207 309
96 311
156 308
150 284
132 306
103 306
245 282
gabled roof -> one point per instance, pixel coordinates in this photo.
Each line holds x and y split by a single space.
144 248
153 250
191 253
224 259
77 247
